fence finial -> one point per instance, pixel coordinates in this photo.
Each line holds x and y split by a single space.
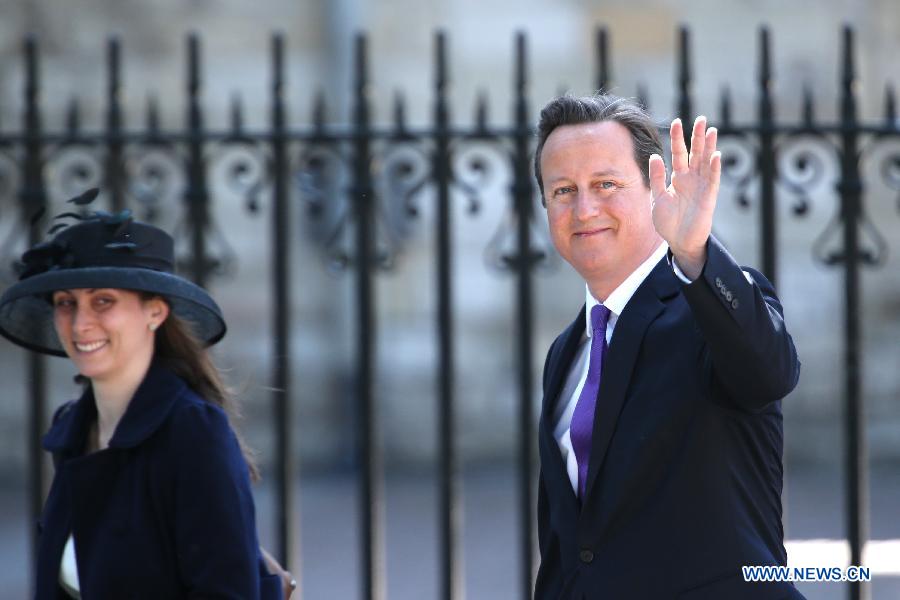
319 111
890 106
440 61
73 117
152 118
765 60
725 107
602 48
237 115
481 113
685 110
808 106
643 97
399 113
114 68
193 64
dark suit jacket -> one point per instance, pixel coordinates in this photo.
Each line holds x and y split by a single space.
165 512
685 473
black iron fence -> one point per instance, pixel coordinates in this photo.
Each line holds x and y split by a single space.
129 166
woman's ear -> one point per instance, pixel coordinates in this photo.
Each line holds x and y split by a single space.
157 310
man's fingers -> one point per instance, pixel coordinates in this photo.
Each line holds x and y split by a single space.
709 149
679 150
715 170
698 139
657 175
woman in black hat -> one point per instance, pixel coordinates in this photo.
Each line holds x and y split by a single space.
151 496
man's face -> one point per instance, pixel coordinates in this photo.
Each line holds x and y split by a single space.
598 206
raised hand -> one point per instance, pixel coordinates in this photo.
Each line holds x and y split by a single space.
683 211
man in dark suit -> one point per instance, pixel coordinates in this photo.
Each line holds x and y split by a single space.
661 428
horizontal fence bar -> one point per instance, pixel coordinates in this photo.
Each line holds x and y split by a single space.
410 134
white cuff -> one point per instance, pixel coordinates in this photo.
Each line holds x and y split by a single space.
679 273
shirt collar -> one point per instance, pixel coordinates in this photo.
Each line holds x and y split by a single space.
620 296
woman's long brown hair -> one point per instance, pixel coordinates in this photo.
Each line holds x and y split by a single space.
179 349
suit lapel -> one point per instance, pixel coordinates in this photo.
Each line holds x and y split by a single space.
640 311
558 366
560 362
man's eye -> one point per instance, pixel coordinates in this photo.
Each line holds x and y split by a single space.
563 190
607 185
62 303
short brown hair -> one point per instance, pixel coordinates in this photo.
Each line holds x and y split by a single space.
599 107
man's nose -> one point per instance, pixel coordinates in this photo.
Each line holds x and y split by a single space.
587 205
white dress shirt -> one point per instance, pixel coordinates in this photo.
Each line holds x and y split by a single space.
562 415
68 571
616 302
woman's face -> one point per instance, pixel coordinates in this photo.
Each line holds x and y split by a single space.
107 332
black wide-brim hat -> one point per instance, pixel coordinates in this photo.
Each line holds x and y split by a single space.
101 251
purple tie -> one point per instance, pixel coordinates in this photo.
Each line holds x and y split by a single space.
583 418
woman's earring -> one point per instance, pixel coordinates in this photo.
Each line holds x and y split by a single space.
153 326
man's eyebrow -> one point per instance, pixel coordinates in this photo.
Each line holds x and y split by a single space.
606 173
603 173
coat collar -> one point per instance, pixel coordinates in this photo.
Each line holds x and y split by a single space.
147 410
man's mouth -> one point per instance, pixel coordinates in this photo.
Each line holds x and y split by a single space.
592 231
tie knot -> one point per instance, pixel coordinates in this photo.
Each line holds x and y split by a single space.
599 318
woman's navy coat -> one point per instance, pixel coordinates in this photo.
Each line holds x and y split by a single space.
165 511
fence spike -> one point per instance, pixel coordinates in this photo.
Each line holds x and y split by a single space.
849 72
521 81
279 109
890 106
31 70
277 65
766 103
237 115
481 112
685 110
194 114
152 114
193 81
441 82
725 107
643 98
848 82
602 47
765 60
319 111
440 60
114 169
808 106
361 68
114 70
399 112
73 117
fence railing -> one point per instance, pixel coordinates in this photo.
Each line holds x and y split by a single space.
134 167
